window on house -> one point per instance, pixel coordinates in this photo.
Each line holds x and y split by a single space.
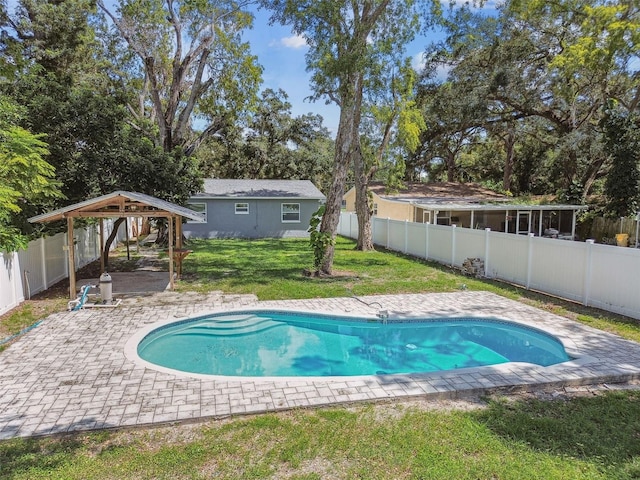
375 209
200 208
242 208
290 213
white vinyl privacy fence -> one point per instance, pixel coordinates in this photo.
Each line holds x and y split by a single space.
45 263
601 276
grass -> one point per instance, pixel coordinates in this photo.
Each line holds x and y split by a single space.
273 270
588 437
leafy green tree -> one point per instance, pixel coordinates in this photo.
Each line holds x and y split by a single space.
25 176
189 62
348 42
67 95
271 143
622 141
520 63
391 127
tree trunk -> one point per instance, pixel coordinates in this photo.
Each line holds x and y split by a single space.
509 144
363 209
451 166
109 241
346 142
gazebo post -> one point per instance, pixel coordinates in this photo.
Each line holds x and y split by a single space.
72 259
101 245
170 252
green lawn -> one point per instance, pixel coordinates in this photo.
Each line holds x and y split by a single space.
585 438
591 437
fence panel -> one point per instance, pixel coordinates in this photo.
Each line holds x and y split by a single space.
10 294
614 284
417 241
379 232
558 267
597 275
469 244
506 254
44 263
55 256
32 265
440 245
397 235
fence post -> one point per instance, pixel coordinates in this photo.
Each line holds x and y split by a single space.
486 251
373 229
529 259
587 273
453 244
426 241
388 226
43 260
406 236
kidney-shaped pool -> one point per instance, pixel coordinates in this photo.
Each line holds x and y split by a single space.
296 344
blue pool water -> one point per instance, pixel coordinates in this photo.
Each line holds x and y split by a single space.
258 343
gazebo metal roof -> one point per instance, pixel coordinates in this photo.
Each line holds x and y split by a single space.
119 204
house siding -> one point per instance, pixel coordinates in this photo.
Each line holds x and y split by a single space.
385 208
264 219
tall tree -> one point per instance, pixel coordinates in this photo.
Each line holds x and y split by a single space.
347 41
67 96
191 60
271 143
25 175
622 141
392 124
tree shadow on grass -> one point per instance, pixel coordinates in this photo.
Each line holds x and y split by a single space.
604 429
39 455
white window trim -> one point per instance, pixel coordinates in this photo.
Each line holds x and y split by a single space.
204 212
282 213
242 212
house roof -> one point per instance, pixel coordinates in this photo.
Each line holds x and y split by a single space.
274 189
119 204
437 192
459 196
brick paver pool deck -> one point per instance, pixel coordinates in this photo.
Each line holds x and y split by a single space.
71 372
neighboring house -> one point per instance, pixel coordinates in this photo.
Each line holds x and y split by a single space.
254 208
469 206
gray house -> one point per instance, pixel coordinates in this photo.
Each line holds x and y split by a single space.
254 208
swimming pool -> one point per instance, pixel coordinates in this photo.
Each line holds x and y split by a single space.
295 344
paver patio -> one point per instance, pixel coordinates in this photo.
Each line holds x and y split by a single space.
71 372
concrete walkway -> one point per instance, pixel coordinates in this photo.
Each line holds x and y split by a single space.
71 372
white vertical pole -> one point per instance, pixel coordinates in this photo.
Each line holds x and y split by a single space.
472 223
573 225
529 259
43 253
540 224
373 230
587 273
388 222
486 251
406 236
426 241
453 244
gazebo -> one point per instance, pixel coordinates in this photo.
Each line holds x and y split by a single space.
121 204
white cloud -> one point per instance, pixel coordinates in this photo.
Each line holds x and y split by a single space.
295 41
418 63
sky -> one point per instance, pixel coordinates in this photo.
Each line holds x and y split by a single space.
282 55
